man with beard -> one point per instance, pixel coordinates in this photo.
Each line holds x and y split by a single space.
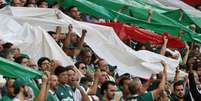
20 90
108 91
179 92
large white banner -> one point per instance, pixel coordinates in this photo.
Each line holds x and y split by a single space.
101 39
33 41
178 4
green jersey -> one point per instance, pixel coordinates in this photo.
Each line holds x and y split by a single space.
52 96
144 97
90 69
64 93
6 98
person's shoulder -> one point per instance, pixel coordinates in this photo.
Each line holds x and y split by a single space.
6 98
173 97
59 89
50 97
147 96
133 98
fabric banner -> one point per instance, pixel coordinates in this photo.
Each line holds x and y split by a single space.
38 44
11 69
135 16
106 45
177 4
184 17
189 16
192 2
126 32
14 70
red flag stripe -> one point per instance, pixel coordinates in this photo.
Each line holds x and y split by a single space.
126 32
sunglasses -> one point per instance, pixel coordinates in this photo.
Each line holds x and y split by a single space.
82 68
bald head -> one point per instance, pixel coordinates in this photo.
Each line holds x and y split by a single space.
135 86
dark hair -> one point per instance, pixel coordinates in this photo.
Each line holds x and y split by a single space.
77 64
105 86
178 83
7 45
121 81
71 7
197 6
20 58
125 74
70 67
168 54
51 33
40 61
59 70
139 46
84 51
85 80
40 2
6 52
98 62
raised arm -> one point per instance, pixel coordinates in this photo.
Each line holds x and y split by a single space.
81 41
66 42
147 84
149 11
184 61
163 49
176 77
92 90
161 86
42 96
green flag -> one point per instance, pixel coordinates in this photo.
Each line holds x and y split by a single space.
133 15
13 70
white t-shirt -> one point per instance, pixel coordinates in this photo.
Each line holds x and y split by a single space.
16 99
77 95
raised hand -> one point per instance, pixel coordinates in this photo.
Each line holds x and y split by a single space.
150 12
70 27
84 31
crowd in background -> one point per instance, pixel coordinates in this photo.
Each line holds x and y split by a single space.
91 78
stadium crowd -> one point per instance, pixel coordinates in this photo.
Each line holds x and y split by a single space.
91 78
